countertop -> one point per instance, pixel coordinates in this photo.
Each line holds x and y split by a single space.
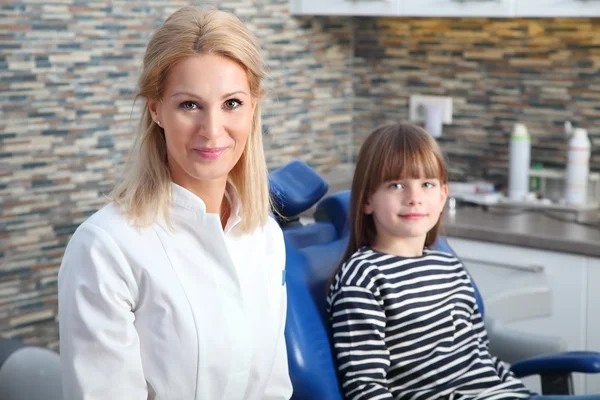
526 229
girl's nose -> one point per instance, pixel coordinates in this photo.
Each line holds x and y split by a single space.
414 196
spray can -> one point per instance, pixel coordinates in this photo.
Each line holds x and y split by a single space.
578 167
519 163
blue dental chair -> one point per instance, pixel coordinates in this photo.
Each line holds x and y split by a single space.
314 250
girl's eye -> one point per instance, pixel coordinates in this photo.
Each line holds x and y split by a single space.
396 185
188 105
232 104
428 184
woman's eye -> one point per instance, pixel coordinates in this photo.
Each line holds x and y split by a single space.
232 104
188 105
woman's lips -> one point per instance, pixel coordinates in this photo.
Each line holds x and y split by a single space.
210 153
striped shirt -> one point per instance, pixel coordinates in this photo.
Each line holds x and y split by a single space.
410 328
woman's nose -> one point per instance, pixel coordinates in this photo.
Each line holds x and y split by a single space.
210 125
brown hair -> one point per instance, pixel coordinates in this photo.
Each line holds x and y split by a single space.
145 189
390 152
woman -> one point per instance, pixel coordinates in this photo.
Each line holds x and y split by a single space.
175 290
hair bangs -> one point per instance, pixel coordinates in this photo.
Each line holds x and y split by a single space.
409 157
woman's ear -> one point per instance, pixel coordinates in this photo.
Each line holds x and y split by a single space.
155 110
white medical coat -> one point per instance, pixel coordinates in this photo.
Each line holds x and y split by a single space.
194 313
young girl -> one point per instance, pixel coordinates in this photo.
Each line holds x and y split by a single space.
404 318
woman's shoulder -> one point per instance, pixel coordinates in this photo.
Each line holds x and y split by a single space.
109 218
272 228
109 223
268 232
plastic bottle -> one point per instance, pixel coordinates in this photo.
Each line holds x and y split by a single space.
578 167
519 163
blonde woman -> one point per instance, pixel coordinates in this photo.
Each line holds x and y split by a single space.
175 290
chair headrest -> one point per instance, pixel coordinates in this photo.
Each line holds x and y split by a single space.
295 188
335 208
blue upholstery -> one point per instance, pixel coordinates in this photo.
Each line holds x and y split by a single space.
335 209
310 264
322 261
560 363
311 362
295 188
303 236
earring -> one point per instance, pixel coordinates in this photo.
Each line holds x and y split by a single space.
158 123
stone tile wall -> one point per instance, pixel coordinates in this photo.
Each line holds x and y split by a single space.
68 74
67 84
540 72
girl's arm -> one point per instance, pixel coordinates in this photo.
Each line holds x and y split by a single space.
358 324
99 346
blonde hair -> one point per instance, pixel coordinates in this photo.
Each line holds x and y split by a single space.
145 189
390 152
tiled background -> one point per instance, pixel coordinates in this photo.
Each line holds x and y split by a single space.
498 71
67 84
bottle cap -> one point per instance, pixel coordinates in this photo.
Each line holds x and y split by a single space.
568 128
520 132
579 132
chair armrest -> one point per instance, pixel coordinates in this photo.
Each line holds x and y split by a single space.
511 345
560 363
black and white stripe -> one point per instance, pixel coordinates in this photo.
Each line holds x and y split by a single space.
410 328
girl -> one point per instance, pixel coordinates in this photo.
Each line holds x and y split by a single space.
404 318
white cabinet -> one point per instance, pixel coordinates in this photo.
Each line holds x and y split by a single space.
593 318
448 8
557 8
564 274
459 8
346 7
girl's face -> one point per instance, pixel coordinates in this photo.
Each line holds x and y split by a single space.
206 113
406 209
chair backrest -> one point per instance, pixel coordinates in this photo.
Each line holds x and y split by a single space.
310 359
295 188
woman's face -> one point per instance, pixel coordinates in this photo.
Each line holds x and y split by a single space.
206 113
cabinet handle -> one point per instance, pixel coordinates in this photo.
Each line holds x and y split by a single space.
533 268
369 1
479 1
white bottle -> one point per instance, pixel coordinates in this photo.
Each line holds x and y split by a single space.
519 163
578 167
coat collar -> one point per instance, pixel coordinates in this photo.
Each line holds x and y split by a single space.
184 198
